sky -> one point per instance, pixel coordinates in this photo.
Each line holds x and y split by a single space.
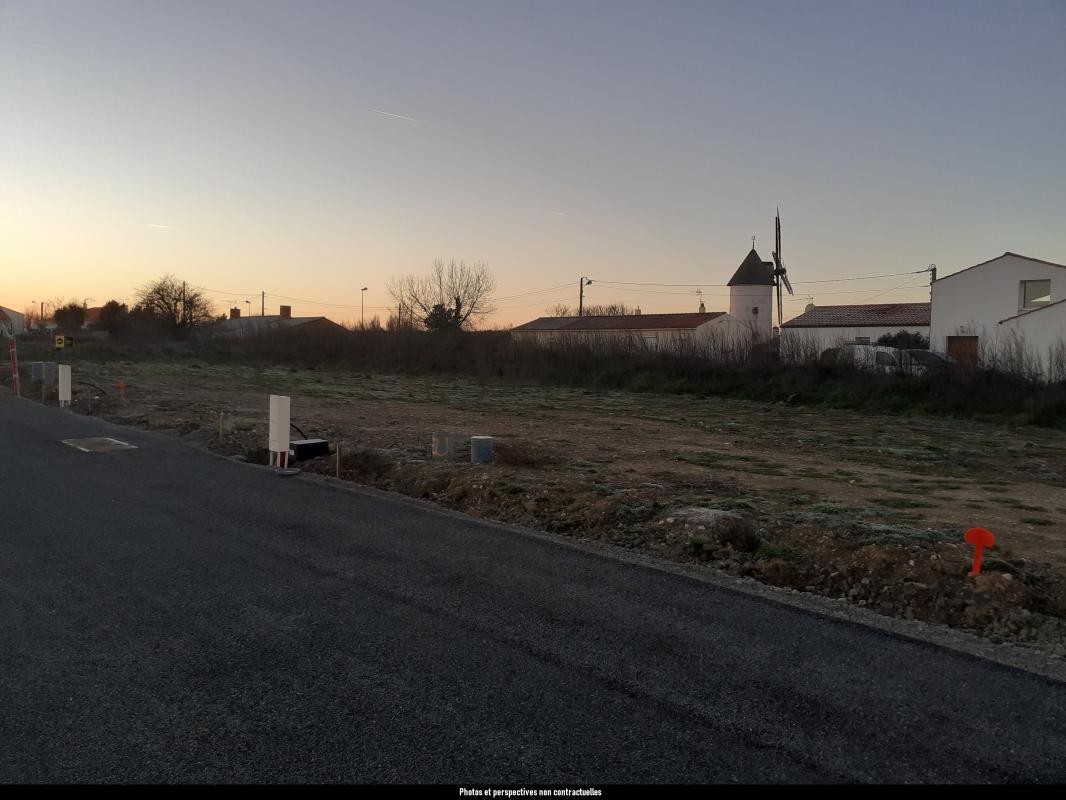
308 149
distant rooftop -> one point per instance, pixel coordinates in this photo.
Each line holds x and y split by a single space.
626 322
880 315
270 322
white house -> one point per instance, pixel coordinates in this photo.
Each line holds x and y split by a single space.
749 322
1006 312
12 323
821 327
702 332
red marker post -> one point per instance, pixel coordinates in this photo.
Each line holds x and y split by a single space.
121 388
980 539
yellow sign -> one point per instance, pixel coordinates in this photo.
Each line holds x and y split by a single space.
64 341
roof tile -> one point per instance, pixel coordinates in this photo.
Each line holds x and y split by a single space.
628 322
863 316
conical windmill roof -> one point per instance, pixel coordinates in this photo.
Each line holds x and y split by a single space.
752 272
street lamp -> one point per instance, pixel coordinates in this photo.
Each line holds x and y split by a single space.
362 306
40 319
581 294
249 304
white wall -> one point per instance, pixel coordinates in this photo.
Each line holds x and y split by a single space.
16 327
1033 343
721 336
803 342
742 302
972 303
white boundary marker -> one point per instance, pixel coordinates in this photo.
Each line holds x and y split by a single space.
279 431
64 385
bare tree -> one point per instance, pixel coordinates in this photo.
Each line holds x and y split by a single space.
610 310
32 318
602 310
174 302
452 296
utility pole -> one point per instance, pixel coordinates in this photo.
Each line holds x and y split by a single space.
581 284
184 306
362 316
263 305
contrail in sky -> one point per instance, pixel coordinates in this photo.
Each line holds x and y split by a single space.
389 114
161 227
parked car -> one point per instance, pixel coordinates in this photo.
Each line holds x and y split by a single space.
928 361
871 357
880 358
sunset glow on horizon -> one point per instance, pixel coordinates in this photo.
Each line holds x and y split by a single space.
309 150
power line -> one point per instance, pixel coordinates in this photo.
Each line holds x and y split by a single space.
864 277
612 285
235 294
695 284
535 291
537 302
856 291
901 286
653 291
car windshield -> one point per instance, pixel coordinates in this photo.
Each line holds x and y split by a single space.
926 358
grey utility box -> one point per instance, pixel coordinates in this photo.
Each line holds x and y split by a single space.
47 372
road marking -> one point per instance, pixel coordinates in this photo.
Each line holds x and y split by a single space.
98 444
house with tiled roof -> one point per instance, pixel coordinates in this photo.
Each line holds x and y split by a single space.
653 332
239 327
821 327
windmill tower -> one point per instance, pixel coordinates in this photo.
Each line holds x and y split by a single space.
751 295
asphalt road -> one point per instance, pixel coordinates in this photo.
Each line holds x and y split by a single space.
168 615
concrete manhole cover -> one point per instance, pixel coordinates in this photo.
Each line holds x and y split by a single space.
98 444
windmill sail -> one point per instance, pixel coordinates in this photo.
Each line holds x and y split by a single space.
780 273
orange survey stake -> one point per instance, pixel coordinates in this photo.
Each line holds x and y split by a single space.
980 539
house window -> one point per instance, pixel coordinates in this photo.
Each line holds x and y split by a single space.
1035 293
862 340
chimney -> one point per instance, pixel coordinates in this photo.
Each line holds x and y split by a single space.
286 311
703 308
234 313
810 307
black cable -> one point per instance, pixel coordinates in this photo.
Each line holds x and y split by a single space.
293 425
86 383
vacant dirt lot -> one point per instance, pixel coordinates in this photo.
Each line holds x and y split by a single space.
870 508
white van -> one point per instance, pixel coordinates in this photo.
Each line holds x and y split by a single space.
873 357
